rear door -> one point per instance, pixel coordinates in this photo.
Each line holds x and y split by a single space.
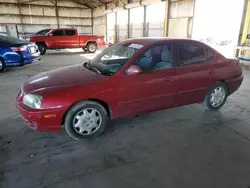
71 39
193 73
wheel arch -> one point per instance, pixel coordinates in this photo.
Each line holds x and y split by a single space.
41 42
90 41
101 102
226 84
1 57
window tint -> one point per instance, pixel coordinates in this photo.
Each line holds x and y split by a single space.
156 58
210 55
43 32
190 54
58 33
70 32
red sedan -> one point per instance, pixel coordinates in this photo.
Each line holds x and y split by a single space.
129 78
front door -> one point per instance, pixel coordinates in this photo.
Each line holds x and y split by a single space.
152 89
193 73
55 39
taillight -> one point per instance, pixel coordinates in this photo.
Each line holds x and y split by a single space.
18 49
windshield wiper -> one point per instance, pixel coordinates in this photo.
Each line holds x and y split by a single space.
91 67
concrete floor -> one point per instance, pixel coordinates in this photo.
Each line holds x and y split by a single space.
183 147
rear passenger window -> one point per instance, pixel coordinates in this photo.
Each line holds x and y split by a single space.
70 32
210 55
190 54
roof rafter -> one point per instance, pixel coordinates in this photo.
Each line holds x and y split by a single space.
80 3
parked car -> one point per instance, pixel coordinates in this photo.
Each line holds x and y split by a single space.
16 52
129 78
41 32
67 38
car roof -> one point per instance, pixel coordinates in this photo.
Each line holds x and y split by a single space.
153 40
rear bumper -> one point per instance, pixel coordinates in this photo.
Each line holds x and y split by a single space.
39 120
24 59
234 84
31 58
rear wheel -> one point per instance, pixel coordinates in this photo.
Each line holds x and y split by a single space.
85 120
42 48
216 96
92 47
2 65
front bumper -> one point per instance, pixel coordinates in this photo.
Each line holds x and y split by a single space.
42 120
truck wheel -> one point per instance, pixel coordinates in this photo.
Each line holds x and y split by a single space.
2 65
92 47
42 48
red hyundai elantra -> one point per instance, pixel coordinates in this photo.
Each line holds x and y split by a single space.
129 78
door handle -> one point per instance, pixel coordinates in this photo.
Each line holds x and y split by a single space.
211 72
168 79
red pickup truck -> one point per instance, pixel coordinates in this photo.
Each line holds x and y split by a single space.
67 38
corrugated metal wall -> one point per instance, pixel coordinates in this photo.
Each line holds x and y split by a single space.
122 25
155 19
99 21
37 15
111 17
181 18
136 22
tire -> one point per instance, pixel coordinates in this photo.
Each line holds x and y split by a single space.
2 65
91 47
78 120
42 48
216 96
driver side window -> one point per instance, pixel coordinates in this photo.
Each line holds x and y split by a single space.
156 58
57 33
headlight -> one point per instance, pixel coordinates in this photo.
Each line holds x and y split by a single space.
33 101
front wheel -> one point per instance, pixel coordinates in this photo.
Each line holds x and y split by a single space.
216 96
2 65
42 48
85 120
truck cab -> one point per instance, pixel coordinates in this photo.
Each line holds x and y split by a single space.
62 38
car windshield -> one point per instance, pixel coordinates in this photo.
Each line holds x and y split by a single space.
43 32
113 58
11 40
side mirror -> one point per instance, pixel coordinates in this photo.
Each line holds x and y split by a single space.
133 69
51 34
110 44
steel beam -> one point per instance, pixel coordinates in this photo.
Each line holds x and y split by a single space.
57 16
145 21
166 17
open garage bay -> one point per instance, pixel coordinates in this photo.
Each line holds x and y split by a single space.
181 147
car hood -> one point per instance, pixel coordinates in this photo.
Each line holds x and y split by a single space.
70 76
26 36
